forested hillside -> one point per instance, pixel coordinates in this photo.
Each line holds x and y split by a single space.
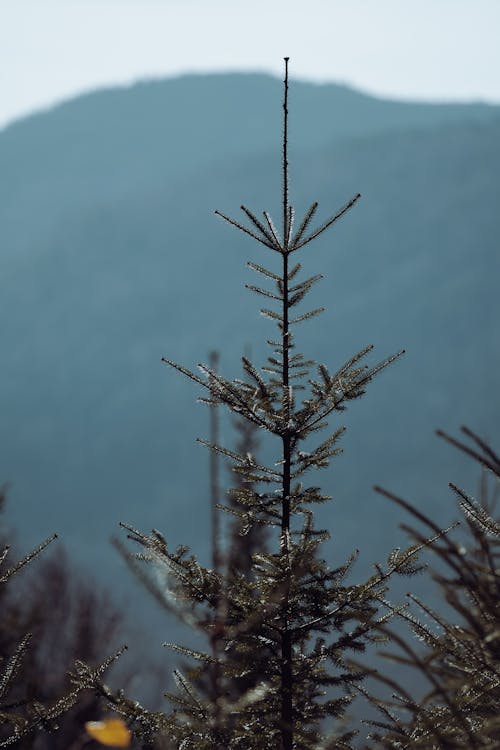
111 257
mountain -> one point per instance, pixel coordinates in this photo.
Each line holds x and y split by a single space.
111 257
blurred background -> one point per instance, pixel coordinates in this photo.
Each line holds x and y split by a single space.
124 124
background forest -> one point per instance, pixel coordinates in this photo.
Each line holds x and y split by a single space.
121 262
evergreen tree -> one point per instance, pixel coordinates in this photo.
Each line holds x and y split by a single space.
20 714
286 625
460 658
244 540
48 620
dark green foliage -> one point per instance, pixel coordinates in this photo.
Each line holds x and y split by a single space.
460 658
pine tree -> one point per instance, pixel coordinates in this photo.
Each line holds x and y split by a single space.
244 541
287 626
49 620
21 715
460 656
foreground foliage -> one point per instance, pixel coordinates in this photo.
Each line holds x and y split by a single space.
460 660
51 617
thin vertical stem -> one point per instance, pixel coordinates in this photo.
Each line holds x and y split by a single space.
286 643
214 474
218 625
285 158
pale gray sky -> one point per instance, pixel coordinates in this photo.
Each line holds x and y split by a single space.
432 49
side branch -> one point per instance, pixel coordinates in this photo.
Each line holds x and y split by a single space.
328 223
263 240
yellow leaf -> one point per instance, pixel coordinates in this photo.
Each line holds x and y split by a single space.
110 732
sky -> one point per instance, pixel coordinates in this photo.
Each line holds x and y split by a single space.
51 50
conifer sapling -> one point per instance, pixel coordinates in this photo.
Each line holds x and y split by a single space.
290 622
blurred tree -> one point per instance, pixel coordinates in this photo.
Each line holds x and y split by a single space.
50 618
460 658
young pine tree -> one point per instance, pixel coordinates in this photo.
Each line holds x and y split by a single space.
243 540
284 627
69 618
35 698
460 656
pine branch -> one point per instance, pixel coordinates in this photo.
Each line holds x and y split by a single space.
328 223
262 239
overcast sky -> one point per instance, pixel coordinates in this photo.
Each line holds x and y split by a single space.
426 49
